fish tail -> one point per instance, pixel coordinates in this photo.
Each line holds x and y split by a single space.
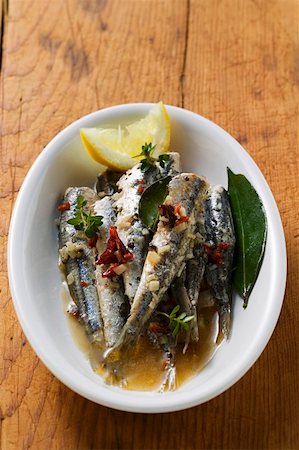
224 325
169 380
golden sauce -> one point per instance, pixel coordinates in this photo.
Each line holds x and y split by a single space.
144 367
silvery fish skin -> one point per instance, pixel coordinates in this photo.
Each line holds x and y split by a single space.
220 235
79 262
168 345
180 295
168 251
113 303
161 338
131 230
195 268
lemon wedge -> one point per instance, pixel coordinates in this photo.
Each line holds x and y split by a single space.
116 147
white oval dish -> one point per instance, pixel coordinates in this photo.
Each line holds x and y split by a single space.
35 280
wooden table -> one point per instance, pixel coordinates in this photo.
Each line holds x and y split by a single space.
235 62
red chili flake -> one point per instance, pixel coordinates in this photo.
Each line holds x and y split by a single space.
140 189
124 255
92 241
109 273
172 214
182 220
168 212
141 181
158 327
83 283
177 209
64 206
115 254
215 252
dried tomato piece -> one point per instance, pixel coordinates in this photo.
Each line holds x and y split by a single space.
64 206
181 220
115 254
123 254
216 252
83 283
109 273
108 256
168 212
173 214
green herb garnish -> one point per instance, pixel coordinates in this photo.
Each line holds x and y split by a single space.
178 323
85 222
149 160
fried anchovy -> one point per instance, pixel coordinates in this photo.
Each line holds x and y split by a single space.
79 261
113 303
220 245
131 230
167 253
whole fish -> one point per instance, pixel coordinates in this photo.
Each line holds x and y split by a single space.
131 230
113 303
78 260
220 243
168 249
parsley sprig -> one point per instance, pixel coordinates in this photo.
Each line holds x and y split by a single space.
85 222
149 160
178 323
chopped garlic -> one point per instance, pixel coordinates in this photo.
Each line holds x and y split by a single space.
151 277
124 222
181 227
182 212
145 231
189 256
119 269
154 286
153 257
70 278
164 249
70 250
138 239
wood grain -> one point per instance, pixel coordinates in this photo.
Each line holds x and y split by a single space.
235 62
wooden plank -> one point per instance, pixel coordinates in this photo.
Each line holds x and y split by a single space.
233 61
242 72
61 61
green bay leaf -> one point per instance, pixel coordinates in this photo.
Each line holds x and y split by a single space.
251 233
150 201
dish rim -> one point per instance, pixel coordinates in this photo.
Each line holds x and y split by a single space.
172 401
